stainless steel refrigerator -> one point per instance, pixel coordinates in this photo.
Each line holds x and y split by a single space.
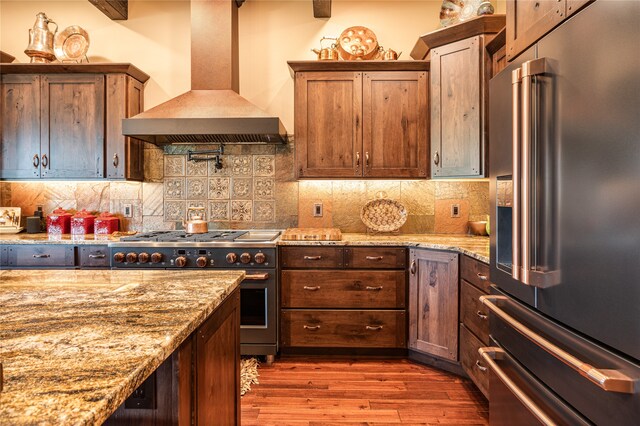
565 246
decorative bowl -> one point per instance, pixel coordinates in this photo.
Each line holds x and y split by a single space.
478 227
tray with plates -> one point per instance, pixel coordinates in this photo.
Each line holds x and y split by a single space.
71 44
383 215
10 220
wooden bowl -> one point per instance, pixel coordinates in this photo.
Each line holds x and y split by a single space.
478 227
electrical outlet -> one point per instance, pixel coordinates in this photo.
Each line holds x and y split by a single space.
128 210
317 209
455 210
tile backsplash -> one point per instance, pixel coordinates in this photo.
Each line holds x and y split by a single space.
256 188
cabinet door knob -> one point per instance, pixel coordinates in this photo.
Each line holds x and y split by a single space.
36 161
116 160
412 268
436 158
45 161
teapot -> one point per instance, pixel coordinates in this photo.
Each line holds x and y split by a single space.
40 47
197 224
326 53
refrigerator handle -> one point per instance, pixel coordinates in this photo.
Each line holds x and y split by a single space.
608 380
516 83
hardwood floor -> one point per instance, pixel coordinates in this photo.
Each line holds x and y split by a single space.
310 392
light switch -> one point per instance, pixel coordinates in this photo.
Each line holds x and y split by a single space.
317 209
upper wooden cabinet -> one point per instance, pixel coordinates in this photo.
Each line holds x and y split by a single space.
361 119
529 20
460 72
63 121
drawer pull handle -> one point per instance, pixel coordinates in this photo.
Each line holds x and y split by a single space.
116 160
374 257
257 277
45 161
311 327
370 288
41 256
412 269
312 257
97 256
374 327
312 288
36 161
481 315
482 277
480 366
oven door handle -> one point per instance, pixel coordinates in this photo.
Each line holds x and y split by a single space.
608 380
257 277
489 355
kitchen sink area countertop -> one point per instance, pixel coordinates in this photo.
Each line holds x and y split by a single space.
473 246
76 343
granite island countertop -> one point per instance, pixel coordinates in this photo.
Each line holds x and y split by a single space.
75 344
473 246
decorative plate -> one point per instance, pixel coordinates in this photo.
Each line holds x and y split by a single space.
383 215
469 9
71 44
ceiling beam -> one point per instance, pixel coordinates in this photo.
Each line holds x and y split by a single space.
322 8
117 10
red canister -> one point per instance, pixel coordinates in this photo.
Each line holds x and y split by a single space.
106 223
59 222
82 223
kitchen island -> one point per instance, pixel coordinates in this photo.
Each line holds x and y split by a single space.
75 344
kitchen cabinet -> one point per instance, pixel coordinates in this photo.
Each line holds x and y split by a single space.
17 256
474 320
497 49
433 303
361 119
529 20
346 298
460 72
63 121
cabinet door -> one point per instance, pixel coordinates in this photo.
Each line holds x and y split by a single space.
529 20
433 303
20 143
72 130
395 124
124 156
457 128
328 124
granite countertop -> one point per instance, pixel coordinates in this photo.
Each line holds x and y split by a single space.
473 246
75 344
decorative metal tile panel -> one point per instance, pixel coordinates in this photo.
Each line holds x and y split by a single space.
174 189
240 165
219 188
264 211
174 210
218 211
174 165
264 188
197 188
241 188
264 165
241 211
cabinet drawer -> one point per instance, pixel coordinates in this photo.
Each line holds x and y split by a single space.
475 272
40 255
471 362
94 257
473 314
312 257
375 257
344 329
343 289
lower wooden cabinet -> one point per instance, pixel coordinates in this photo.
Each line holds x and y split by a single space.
433 303
343 328
471 361
347 298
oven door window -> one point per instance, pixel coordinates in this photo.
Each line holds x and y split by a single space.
253 307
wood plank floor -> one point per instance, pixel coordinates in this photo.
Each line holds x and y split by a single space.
310 392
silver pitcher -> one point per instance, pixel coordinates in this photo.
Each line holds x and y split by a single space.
40 47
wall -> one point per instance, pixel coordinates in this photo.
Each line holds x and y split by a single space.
156 39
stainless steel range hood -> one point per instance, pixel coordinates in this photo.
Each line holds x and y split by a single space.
212 111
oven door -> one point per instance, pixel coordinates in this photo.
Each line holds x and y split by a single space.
258 313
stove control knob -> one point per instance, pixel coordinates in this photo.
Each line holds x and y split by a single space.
156 257
143 257
132 257
118 257
181 261
202 261
245 258
232 258
260 258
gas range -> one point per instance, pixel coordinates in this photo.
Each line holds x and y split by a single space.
241 249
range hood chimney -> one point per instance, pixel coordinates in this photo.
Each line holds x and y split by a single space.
212 111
